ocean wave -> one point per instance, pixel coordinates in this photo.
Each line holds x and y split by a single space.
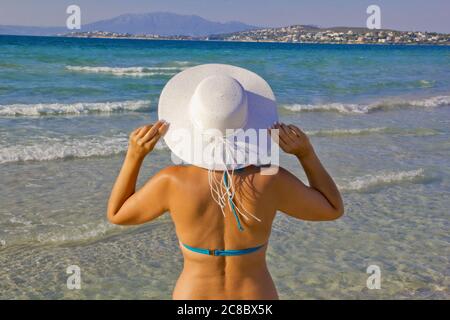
183 63
347 132
42 109
427 83
337 107
382 179
83 232
367 131
66 234
55 149
128 71
80 233
350 108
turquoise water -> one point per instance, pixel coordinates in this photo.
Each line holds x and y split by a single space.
378 116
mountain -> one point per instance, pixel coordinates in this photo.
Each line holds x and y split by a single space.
161 23
165 24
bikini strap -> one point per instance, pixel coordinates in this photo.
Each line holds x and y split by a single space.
217 252
230 200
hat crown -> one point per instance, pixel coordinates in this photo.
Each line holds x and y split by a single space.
219 102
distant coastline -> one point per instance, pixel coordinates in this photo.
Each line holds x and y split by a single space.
226 41
294 34
172 26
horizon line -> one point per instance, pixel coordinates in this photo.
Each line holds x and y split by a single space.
225 22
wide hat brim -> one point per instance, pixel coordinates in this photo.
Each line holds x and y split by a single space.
175 100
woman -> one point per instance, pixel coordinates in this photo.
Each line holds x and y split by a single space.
222 212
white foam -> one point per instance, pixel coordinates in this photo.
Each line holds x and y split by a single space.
380 179
421 132
128 71
427 83
80 233
54 149
337 107
347 132
40 109
182 63
431 102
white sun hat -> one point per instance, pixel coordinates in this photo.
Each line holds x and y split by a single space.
214 112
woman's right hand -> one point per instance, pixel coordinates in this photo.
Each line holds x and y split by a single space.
143 139
292 140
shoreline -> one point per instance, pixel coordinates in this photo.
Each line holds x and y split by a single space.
263 41
232 41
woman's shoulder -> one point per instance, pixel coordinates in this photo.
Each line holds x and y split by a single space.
272 172
179 171
174 170
268 173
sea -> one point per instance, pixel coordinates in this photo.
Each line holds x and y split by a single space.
377 115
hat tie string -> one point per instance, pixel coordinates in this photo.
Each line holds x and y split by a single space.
223 190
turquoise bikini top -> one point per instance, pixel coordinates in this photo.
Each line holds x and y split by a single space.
216 252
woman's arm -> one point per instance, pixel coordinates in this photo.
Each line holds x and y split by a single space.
125 206
321 200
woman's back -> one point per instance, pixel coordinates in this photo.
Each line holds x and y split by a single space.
200 223
187 192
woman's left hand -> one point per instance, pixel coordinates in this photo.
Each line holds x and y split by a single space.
143 139
293 140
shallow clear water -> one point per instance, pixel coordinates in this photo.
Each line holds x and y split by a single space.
378 116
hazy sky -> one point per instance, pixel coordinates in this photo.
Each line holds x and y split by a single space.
429 15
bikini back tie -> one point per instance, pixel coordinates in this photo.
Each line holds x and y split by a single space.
217 252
